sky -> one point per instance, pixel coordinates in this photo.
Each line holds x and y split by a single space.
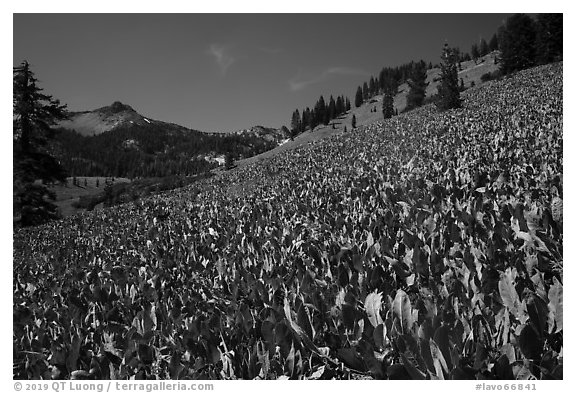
225 72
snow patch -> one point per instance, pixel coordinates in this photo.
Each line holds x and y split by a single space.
147 121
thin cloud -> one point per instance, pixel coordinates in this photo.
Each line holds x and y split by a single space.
223 58
298 83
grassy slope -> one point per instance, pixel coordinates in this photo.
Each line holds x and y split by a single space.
471 72
68 194
237 262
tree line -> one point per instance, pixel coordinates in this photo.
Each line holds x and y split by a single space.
522 42
321 113
151 151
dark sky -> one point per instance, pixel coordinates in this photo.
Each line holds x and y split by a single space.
224 72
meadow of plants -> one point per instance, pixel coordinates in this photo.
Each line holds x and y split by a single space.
426 246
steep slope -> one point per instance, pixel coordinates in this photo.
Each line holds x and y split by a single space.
470 73
426 246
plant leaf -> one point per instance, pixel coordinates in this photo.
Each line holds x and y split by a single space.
555 306
373 305
414 372
402 308
530 343
438 360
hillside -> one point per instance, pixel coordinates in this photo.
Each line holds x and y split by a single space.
426 246
116 141
109 118
470 73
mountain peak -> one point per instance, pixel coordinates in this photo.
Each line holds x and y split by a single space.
117 107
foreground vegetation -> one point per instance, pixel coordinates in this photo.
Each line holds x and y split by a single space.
426 246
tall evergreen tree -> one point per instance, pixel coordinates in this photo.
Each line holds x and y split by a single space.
372 87
353 121
365 91
295 124
309 122
388 105
359 97
517 44
340 108
313 119
475 52
34 166
417 84
549 28
348 105
331 109
321 111
493 44
448 90
305 121
483 49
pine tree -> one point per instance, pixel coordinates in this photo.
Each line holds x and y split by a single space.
388 105
321 111
331 109
516 40
549 28
313 119
295 124
348 105
417 84
305 121
353 121
475 52
448 90
372 87
365 91
339 106
309 121
34 166
484 50
493 44
359 97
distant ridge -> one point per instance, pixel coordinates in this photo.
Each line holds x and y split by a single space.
108 118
